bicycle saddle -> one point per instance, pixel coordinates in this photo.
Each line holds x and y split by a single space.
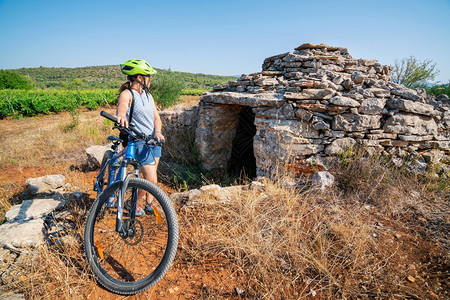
114 138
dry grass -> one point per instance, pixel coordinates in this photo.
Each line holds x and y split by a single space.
44 145
354 241
188 101
50 140
291 243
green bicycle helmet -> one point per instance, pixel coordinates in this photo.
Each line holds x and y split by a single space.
137 67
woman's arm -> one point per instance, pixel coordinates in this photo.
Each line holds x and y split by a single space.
122 107
158 124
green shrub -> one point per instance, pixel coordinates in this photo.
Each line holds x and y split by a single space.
166 88
13 80
440 89
437 89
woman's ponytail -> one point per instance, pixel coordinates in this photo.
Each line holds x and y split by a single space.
127 85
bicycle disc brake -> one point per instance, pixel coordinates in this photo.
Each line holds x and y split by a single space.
134 231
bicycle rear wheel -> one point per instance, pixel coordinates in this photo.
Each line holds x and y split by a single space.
133 263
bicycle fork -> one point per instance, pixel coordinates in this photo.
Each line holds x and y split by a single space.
124 180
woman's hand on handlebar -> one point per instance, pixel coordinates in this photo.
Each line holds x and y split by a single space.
122 120
158 135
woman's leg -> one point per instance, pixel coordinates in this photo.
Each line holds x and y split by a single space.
149 172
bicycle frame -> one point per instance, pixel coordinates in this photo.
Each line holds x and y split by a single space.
103 243
129 154
122 176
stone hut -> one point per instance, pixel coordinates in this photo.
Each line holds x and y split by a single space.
308 105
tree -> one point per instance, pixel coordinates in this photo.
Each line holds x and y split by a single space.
410 71
13 80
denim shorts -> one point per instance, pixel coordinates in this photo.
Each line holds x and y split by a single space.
145 154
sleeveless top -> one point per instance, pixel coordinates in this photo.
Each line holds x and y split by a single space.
143 118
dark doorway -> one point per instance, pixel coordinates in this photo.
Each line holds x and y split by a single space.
242 161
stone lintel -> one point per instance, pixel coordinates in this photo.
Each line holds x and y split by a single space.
245 99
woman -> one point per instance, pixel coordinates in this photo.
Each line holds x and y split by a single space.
136 106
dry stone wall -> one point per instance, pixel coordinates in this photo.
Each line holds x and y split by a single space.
179 130
314 102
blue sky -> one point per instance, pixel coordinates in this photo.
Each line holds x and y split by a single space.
218 37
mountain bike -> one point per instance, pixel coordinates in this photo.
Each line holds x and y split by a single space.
128 254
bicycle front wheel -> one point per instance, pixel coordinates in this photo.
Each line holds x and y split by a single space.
103 181
131 263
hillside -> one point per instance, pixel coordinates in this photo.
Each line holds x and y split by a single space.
109 76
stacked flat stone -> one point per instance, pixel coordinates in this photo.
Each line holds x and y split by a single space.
316 101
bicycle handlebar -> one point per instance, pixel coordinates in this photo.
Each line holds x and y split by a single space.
108 116
131 128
